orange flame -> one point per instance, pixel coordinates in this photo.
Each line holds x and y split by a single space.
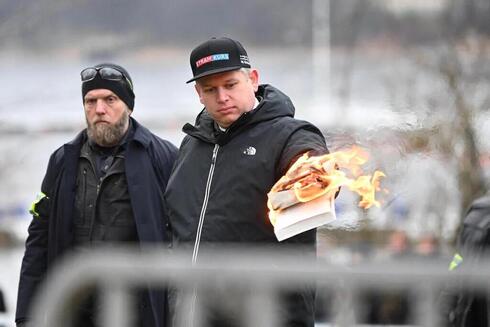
312 177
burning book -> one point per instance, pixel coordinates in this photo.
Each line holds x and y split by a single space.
301 217
303 198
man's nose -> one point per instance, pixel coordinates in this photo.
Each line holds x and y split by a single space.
100 107
222 95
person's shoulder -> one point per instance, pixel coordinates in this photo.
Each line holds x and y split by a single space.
163 153
147 137
155 144
59 153
479 213
481 202
295 124
163 143
160 142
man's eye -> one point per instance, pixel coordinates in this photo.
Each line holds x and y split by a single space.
90 102
208 90
111 99
230 86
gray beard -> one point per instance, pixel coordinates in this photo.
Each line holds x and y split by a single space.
108 135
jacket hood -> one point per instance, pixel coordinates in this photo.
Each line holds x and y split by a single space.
273 104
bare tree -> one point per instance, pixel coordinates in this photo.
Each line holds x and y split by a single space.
451 50
460 63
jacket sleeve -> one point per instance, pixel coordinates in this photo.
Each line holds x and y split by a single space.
34 262
472 240
306 139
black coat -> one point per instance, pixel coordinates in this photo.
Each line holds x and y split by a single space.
148 163
218 189
470 309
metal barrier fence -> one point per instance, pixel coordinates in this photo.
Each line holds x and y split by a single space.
257 272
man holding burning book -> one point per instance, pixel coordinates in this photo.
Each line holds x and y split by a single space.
242 142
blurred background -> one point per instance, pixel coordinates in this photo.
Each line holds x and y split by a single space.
407 80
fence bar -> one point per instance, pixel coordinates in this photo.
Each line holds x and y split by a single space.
262 308
240 269
117 310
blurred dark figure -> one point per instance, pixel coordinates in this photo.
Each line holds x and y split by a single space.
3 307
466 308
390 307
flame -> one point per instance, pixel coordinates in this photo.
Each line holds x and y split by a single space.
315 176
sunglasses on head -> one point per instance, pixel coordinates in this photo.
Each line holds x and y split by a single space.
107 73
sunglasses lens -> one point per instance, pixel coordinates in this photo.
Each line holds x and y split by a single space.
88 74
110 74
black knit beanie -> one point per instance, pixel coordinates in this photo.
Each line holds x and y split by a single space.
121 88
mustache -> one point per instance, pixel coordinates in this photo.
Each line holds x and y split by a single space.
99 121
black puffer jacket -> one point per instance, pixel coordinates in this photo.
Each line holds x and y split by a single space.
218 189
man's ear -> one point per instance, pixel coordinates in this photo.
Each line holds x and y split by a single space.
199 92
254 77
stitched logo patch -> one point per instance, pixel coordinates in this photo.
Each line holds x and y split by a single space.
215 57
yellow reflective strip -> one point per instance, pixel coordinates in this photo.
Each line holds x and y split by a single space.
32 208
457 260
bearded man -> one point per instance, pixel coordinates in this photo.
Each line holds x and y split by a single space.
105 187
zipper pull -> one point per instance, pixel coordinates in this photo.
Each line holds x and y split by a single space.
215 154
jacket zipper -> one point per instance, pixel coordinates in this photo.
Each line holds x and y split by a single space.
91 224
84 203
94 208
205 204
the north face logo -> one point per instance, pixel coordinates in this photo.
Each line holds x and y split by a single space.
250 151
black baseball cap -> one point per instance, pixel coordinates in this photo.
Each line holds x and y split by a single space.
217 55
